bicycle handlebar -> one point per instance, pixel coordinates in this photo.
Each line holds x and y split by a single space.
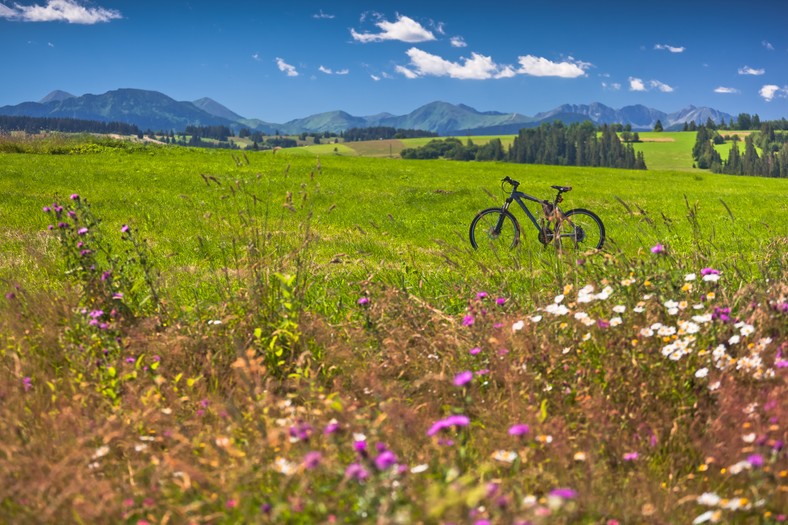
510 181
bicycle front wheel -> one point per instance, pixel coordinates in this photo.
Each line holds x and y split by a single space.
582 229
494 229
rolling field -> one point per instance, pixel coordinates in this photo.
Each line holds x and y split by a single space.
308 337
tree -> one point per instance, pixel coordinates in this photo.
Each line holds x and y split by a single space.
658 126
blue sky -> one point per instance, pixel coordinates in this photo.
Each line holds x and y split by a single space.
279 61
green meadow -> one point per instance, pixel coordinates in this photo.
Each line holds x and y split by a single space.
307 336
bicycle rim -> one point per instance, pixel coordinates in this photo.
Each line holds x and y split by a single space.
582 230
485 234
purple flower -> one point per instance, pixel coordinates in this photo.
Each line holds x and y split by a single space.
481 295
463 378
363 300
500 301
475 351
124 228
74 196
62 225
47 209
385 459
467 320
331 428
451 421
565 493
601 323
96 313
27 383
82 231
756 460
519 429
658 248
131 360
631 456
360 446
72 214
301 431
709 271
312 459
356 471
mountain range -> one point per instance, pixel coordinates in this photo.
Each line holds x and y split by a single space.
156 111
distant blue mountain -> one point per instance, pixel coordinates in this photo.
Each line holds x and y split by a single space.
156 111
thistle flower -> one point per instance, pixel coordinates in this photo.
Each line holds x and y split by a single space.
463 378
658 248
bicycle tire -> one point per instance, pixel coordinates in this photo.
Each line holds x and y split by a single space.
583 229
483 228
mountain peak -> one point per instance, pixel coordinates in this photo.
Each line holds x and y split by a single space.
217 110
56 96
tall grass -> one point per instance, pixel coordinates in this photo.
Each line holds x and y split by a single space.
328 349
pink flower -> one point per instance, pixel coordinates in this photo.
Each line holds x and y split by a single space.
451 421
631 456
467 320
475 351
500 301
124 228
658 248
463 378
363 300
74 196
519 429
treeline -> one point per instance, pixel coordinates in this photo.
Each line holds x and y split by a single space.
65 125
743 122
384 133
578 144
772 162
220 133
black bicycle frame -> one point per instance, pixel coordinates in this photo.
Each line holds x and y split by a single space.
518 196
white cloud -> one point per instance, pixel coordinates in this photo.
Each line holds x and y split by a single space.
321 15
615 86
329 71
50 44
672 49
374 77
656 84
768 45
726 90
405 29
770 91
458 41
342 72
477 67
256 56
747 70
70 11
542 67
286 68
325 70
636 84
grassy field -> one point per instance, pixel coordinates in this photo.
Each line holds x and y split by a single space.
311 339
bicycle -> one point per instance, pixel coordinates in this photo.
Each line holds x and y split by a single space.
496 227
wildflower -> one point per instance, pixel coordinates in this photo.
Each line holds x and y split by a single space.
481 295
615 321
564 493
658 248
27 383
418 469
756 460
631 456
101 452
603 324
701 373
746 330
475 351
558 298
519 429
580 456
710 515
356 471
619 308
557 309
734 339
536 318
385 459
451 421
360 445
301 431
518 326
74 197
332 427
467 320
363 300
47 209
124 228
463 378
709 271
690 277
82 231
284 467
500 301
231 503
709 499
312 459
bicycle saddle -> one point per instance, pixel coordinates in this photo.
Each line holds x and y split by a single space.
562 188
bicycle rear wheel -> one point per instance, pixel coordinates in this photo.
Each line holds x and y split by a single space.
582 229
494 229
